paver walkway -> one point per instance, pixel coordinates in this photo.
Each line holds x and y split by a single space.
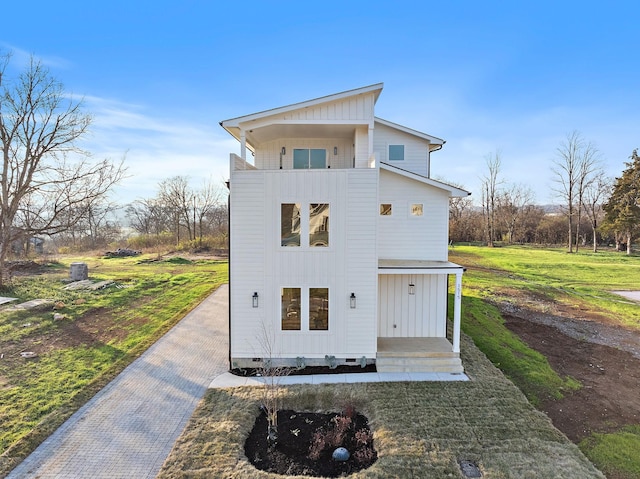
128 429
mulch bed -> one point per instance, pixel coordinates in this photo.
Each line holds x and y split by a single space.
306 442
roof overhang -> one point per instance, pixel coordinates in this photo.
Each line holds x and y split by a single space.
453 191
404 266
435 143
270 124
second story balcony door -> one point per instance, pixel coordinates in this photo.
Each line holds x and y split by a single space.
306 158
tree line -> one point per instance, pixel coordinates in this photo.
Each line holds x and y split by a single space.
592 209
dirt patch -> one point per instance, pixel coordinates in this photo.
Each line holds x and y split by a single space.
605 358
98 326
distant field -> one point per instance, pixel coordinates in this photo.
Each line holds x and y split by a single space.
583 280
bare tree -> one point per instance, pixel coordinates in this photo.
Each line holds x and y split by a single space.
490 184
45 177
147 216
511 207
206 201
178 199
593 199
573 170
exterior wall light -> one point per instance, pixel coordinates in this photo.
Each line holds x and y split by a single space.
255 299
283 151
335 150
352 301
412 288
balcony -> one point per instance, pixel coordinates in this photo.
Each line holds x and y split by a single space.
237 163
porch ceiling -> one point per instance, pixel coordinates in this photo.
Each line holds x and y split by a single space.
256 136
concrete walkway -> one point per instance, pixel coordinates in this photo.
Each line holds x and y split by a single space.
128 429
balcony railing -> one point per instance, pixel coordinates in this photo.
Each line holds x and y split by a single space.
237 163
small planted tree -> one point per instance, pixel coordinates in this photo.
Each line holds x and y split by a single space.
271 397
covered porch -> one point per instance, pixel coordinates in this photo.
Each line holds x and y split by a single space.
413 335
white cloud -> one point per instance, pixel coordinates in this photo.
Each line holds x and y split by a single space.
20 58
155 147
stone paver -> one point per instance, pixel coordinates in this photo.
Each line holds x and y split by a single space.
128 429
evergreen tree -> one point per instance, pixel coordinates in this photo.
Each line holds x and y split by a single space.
623 208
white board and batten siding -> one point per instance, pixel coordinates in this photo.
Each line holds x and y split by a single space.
359 107
259 262
404 236
356 109
405 315
416 150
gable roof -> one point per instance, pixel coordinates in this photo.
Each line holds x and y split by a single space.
233 124
453 191
434 140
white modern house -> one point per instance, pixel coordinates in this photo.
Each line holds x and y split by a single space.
339 240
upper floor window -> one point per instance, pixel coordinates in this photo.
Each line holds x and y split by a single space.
318 224
416 209
396 152
385 209
309 158
290 224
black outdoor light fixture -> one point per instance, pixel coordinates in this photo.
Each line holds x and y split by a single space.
352 301
283 151
335 150
412 288
255 299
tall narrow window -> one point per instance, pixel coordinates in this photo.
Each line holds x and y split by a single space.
290 309
318 224
318 309
396 152
290 224
309 158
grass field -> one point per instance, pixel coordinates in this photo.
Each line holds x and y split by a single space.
582 282
101 333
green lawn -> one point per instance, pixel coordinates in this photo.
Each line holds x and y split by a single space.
582 281
103 331
421 429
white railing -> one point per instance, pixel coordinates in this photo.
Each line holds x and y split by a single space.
237 163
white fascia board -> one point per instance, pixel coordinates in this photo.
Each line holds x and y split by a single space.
434 140
236 122
453 191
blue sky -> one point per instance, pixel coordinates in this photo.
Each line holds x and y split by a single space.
517 77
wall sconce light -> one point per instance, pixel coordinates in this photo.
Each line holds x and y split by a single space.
412 288
352 301
255 299
335 150
283 151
